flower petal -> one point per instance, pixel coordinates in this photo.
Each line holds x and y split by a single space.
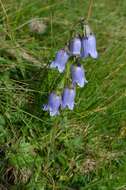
60 60
89 47
54 102
68 98
75 46
78 75
45 107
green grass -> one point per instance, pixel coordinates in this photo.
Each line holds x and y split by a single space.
80 150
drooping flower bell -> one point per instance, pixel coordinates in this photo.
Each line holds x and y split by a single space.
68 98
88 44
60 60
54 102
75 46
78 75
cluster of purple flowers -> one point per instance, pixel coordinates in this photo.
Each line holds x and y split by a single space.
79 47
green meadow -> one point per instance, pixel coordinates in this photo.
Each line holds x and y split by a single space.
83 149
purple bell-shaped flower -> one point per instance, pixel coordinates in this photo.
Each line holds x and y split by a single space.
75 46
68 98
60 60
54 102
88 44
78 75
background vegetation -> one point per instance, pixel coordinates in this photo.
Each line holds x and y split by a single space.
80 150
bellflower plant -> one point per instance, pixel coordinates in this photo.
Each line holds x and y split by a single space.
81 46
60 60
75 46
54 102
68 98
78 75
